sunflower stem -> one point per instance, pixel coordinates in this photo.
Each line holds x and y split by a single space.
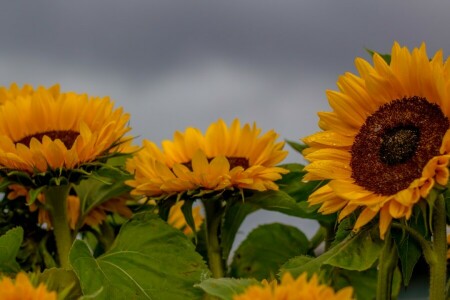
214 214
56 200
438 267
386 266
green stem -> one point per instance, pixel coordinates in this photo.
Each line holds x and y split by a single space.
386 266
438 269
214 214
56 200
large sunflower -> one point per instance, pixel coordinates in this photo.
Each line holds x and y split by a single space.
22 288
290 288
222 158
42 130
386 143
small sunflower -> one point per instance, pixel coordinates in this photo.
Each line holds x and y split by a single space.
235 157
22 288
176 218
294 289
44 130
95 216
387 141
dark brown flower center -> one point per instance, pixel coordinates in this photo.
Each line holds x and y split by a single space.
68 137
233 160
395 143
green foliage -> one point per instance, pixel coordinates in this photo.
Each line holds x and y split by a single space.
226 288
235 214
265 249
105 185
357 252
10 244
148 260
297 146
64 282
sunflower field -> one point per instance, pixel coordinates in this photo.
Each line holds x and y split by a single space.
87 213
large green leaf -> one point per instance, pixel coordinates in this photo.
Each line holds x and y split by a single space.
357 252
148 260
226 288
10 244
265 249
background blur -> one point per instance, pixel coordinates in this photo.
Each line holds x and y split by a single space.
174 64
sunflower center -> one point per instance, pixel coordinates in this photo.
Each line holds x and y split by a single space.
399 144
395 143
234 161
68 137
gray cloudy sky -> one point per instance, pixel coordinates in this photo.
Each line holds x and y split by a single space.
174 64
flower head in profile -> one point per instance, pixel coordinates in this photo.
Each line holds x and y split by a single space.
22 288
294 289
44 131
386 143
223 158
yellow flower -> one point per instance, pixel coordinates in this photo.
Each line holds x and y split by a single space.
15 91
95 216
22 289
45 130
294 289
386 143
176 218
234 157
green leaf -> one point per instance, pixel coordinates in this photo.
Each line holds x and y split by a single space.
10 244
357 252
297 146
409 253
364 283
226 288
93 192
148 260
235 214
282 202
64 282
186 209
265 249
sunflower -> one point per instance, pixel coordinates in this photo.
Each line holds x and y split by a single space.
176 218
22 288
95 216
291 288
386 143
234 157
44 130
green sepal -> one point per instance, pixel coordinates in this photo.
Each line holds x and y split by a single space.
386 57
34 193
297 146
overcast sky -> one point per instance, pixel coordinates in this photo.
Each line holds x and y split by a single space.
174 64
